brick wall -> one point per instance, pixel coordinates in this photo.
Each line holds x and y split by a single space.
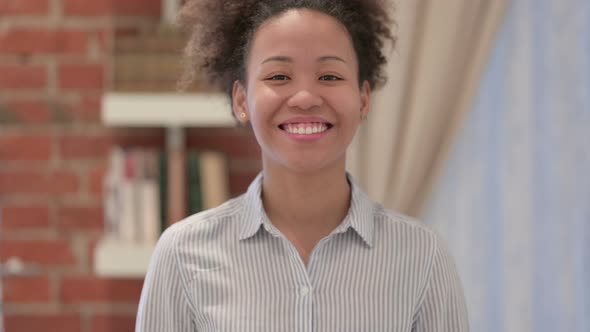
54 66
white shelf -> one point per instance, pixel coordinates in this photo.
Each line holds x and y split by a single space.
166 110
117 259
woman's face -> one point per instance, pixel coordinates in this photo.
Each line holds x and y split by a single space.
302 94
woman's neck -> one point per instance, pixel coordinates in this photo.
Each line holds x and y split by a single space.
300 204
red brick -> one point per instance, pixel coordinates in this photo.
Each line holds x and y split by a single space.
25 148
84 146
151 8
33 289
86 289
112 323
97 179
30 112
81 77
79 146
21 40
44 252
18 7
88 110
49 41
80 218
92 244
19 217
41 183
45 323
71 41
22 77
87 8
138 8
85 111
105 39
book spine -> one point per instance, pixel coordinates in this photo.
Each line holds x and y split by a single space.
194 187
214 179
176 187
150 200
112 193
127 228
141 212
163 188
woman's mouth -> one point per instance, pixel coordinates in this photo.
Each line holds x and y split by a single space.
311 128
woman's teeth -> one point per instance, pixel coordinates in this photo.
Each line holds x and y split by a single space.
305 129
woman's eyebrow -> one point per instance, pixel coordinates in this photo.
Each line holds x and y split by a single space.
278 58
330 57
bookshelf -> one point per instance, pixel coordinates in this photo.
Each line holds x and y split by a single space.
175 112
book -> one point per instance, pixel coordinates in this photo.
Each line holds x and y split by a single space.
193 175
149 199
176 186
112 193
163 188
147 190
214 178
127 222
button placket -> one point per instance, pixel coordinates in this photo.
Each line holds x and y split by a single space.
305 290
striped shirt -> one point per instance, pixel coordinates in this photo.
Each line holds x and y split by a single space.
229 269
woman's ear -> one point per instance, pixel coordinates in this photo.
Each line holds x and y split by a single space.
239 104
365 99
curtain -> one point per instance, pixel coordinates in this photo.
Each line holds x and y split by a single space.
433 73
514 199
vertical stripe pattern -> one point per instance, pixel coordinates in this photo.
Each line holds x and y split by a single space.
230 269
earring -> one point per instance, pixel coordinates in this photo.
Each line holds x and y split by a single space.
242 115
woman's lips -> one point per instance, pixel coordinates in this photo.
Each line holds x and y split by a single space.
307 131
305 128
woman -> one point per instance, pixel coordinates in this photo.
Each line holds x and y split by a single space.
304 249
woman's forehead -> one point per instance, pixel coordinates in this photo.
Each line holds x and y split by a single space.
301 33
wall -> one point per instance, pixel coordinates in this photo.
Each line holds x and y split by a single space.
54 67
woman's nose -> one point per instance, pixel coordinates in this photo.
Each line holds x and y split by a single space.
305 100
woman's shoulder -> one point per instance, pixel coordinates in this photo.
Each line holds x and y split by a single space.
206 223
395 218
394 223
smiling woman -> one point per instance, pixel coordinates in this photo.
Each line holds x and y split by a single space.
299 79
304 249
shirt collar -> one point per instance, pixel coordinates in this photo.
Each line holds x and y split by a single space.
254 213
360 216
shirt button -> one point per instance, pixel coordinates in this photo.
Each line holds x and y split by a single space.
305 290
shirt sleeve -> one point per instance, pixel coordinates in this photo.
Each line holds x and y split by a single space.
164 303
443 308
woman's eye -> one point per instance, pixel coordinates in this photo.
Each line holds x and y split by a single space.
330 78
278 78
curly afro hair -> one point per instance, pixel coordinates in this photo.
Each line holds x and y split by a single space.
220 32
